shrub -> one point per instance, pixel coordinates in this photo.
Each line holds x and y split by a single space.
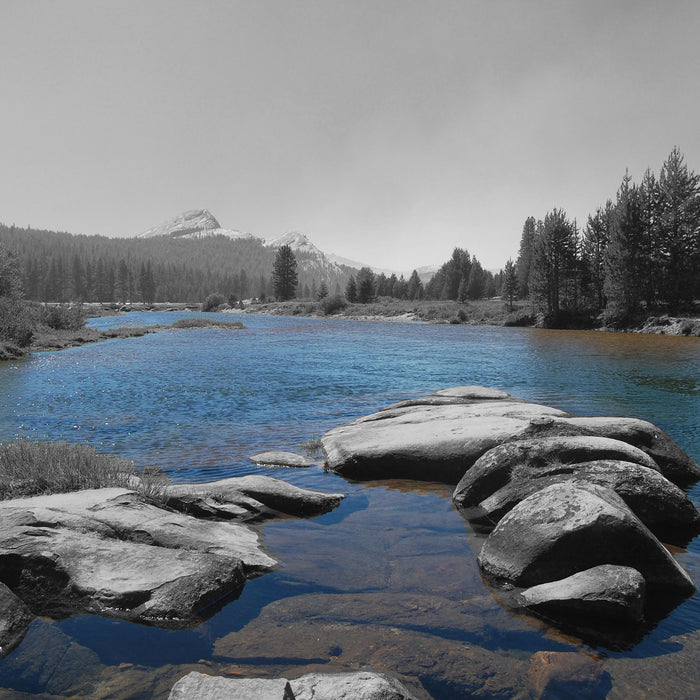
62 317
333 305
213 302
16 325
206 323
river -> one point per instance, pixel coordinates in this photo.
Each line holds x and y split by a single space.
387 580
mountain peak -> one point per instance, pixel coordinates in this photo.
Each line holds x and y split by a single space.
296 241
189 222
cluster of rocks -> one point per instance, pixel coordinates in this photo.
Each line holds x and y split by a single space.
109 552
574 508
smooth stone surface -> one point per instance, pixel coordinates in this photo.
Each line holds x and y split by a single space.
252 497
199 686
15 617
425 442
566 528
281 459
605 592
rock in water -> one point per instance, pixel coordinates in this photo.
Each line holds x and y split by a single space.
566 528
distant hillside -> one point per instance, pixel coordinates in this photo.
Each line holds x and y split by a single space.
156 267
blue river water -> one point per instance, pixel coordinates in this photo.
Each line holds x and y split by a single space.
200 402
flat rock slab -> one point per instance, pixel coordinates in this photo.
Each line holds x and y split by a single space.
607 591
281 459
199 686
106 551
253 497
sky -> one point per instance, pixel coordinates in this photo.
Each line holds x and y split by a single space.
388 131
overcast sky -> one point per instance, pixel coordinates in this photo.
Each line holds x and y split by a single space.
389 131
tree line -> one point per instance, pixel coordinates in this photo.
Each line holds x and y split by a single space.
639 252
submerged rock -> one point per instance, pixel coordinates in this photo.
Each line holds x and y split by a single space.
108 552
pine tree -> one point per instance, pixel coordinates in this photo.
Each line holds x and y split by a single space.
525 256
510 283
414 289
351 290
284 274
365 285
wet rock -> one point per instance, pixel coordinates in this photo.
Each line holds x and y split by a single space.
281 459
507 474
15 617
607 591
427 442
252 497
557 674
566 528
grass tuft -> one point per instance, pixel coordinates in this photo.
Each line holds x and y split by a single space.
42 468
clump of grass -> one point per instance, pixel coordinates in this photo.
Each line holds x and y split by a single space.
206 323
41 468
312 447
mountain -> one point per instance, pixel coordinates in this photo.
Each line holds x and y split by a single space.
195 223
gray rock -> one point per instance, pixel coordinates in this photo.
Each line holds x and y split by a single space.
15 617
199 686
427 442
358 685
281 459
509 473
607 592
108 552
250 497
566 528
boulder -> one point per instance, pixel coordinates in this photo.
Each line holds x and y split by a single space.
199 686
507 474
252 497
606 591
427 442
357 685
281 459
15 617
566 528
440 436
106 551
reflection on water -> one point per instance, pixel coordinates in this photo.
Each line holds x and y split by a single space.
389 579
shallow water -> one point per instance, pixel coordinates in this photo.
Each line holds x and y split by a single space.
389 579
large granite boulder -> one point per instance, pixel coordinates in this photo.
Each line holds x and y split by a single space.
428 440
509 473
566 528
439 437
106 551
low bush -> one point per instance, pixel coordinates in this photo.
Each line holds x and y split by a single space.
206 323
16 323
213 302
333 305
62 317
